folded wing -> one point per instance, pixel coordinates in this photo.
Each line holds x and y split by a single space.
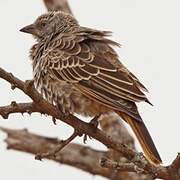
87 63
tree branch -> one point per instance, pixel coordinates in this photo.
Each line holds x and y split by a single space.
54 5
73 121
75 155
78 156
30 108
28 88
42 106
22 108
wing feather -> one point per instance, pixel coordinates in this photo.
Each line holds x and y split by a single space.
109 100
91 71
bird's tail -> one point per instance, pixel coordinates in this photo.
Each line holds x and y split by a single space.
144 138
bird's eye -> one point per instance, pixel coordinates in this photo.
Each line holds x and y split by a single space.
43 24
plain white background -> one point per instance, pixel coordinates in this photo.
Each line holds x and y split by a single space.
149 32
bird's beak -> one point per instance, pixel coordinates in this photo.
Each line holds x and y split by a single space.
29 29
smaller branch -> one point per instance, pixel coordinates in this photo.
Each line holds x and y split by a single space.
22 108
62 144
58 148
15 82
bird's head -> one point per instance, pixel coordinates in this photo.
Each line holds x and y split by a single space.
51 23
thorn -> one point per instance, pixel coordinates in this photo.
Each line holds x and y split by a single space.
5 115
85 139
14 104
13 86
38 157
10 74
54 120
41 113
29 112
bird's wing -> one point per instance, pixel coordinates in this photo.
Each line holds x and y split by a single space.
77 60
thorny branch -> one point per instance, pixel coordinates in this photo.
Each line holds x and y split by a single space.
137 158
22 108
88 159
135 162
109 123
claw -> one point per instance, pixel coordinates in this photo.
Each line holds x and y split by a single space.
85 138
38 157
54 120
94 122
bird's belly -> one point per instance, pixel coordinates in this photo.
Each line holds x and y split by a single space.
68 97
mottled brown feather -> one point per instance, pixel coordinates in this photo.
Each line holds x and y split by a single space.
93 65
77 69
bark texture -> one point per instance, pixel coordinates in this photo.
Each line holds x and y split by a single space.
121 161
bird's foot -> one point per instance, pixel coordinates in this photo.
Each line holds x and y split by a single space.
54 120
63 114
94 123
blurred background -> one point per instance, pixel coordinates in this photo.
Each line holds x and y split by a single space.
149 32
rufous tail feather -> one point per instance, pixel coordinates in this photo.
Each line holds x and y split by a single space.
143 137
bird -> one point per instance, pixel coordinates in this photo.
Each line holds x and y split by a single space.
78 69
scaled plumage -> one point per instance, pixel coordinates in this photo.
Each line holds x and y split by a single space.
77 69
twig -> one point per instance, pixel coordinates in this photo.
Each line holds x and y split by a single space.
58 148
22 108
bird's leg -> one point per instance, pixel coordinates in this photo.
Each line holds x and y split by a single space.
94 122
58 148
64 112
60 109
